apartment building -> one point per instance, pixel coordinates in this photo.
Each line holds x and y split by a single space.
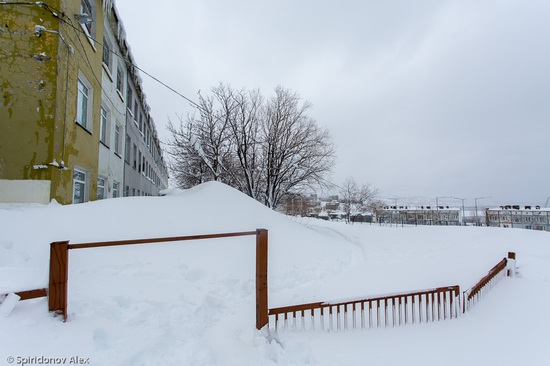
71 102
420 215
515 216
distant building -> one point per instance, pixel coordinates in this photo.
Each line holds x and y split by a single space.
420 215
297 204
362 217
515 216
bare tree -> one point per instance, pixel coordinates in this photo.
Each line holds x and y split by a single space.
187 166
245 132
266 149
357 197
296 152
200 147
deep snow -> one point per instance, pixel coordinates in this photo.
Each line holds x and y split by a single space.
193 303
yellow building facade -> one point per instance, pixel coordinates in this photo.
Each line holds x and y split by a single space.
50 103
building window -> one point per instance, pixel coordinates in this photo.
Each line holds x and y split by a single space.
128 96
117 139
136 111
126 191
115 189
84 103
135 157
88 23
100 188
107 56
79 186
127 149
119 80
104 127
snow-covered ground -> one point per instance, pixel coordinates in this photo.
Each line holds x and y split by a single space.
193 303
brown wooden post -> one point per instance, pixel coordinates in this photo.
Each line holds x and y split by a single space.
59 275
261 279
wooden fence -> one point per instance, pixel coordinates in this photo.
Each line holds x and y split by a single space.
497 273
59 269
387 310
371 312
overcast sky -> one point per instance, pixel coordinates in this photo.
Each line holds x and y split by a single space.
422 98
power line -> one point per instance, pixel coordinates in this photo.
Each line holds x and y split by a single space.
59 15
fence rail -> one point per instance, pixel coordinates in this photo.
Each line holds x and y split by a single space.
497 273
59 267
29 294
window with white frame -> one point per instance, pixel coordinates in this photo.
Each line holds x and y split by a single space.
104 126
134 165
87 11
120 80
136 111
116 186
127 150
84 103
101 188
117 139
80 186
128 95
107 56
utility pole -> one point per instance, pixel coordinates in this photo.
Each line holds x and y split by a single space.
462 199
475 201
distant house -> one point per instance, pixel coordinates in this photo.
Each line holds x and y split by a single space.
362 217
515 216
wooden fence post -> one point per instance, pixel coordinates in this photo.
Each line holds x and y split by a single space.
59 275
261 279
511 264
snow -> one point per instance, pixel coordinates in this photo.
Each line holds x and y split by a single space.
193 303
8 304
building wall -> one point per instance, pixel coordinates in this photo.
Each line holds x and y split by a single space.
25 191
40 138
532 218
111 163
419 216
29 128
39 88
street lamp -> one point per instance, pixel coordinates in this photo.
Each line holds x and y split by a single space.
462 199
475 201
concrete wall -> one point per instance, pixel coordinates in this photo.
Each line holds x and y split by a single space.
25 191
